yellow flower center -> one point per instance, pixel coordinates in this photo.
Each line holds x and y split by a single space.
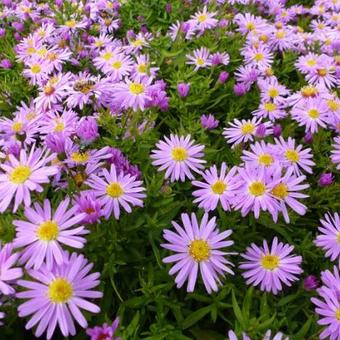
270 107
247 128
179 154
270 262
59 127
70 23
117 64
250 26
200 61
311 62
309 91
136 88
137 43
42 51
80 157
31 50
333 105
52 56
35 68
257 188
60 290
337 314
265 159
280 191
218 187
263 38
322 72
17 126
273 92
292 155
199 250
114 190
20 174
107 55
202 18
48 231
141 68
280 34
48 90
31 115
259 56
313 113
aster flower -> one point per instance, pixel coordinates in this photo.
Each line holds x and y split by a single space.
335 157
253 193
179 156
203 20
294 156
247 22
118 67
56 295
216 188
104 332
269 267
44 232
260 57
8 273
91 206
329 236
200 58
311 115
198 248
115 190
267 336
272 90
23 175
328 304
209 122
270 110
132 94
242 131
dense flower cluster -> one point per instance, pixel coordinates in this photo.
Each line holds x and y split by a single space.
100 94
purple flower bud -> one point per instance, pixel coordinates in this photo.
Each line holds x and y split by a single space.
7 3
58 3
140 18
308 138
240 89
144 29
335 44
209 122
183 89
130 34
14 149
326 179
261 131
223 77
223 23
2 32
277 130
87 130
185 26
6 63
56 142
19 26
17 36
216 59
311 282
168 7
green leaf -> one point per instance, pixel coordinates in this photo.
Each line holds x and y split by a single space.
194 317
237 310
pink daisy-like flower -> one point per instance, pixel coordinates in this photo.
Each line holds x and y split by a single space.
335 157
328 304
253 193
56 296
329 238
311 115
23 175
8 273
90 205
216 188
270 267
104 332
200 58
198 248
295 157
259 57
203 20
132 94
115 190
244 130
178 156
270 110
44 232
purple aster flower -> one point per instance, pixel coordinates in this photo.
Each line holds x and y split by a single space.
104 332
8 273
56 296
336 152
23 175
45 231
198 248
87 129
200 58
310 283
329 238
270 267
216 188
88 204
183 89
178 155
328 304
209 122
115 190
55 142
326 179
